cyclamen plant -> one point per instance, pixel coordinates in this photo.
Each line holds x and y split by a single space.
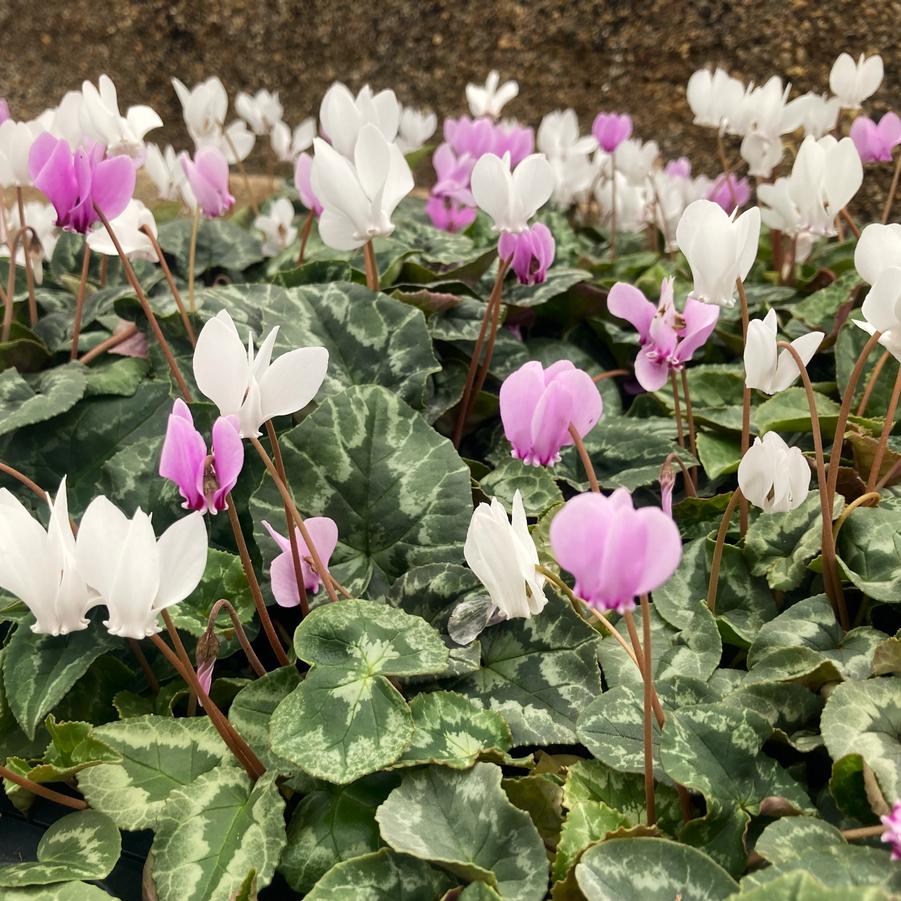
505 504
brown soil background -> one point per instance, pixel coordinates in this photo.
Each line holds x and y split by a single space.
634 57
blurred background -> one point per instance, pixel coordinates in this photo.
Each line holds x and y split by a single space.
632 57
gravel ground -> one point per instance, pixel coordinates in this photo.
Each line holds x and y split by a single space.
624 56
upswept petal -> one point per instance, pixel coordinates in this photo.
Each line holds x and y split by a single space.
292 381
629 303
220 364
182 554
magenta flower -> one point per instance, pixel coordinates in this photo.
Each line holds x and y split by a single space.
892 823
476 137
203 480
517 140
614 551
304 185
452 174
76 183
875 143
207 175
448 214
324 533
668 338
204 674
531 252
727 187
610 130
680 168
538 406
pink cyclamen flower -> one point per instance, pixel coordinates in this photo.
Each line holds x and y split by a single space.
452 174
610 130
4 110
668 338
892 834
615 552
448 214
204 674
207 175
76 183
531 253
680 168
729 192
203 480
538 406
875 143
324 533
302 169
470 137
517 140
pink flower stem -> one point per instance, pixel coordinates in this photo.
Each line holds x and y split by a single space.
887 426
292 536
249 652
689 486
29 275
170 281
872 378
587 465
79 300
468 393
149 675
305 236
372 267
677 409
254 585
727 169
745 403
113 341
648 699
37 789
851 223
890 199
718 549
145 306
24 480
288 501
863 832
692 434
609 374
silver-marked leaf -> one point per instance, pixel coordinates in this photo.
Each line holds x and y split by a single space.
341 724
869 548
651 869
865 718
370 638
693 651
789 838
81 845
60 891
120 377
159 754
538 673
810 629
397 490
26 401
720 834
43 668
372 339
464 822
452 731
220 244
333 823
789 411
537 485
586 823
382 876
212 832
559 280
716 750
799 885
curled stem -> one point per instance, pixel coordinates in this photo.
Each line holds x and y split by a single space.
870 499
24 480
170 281
587 465
249 653
609 374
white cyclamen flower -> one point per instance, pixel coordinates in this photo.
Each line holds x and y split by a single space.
774 476
415 129
342 116
167 174
261 111
41 219
100 120
720 249
38 566
289 145
204 107
631 202
503 556
277 227
558 136
716 99
766 367
489 99
511 198
878 249
136 575
853 82
249 385
359 198
16 139
127 226
817 114
882 310
825 177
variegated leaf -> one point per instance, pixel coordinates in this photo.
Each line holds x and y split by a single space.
397 490
220 244
212 832
381 876
464 822
159 754
25 401
651 869
82 845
